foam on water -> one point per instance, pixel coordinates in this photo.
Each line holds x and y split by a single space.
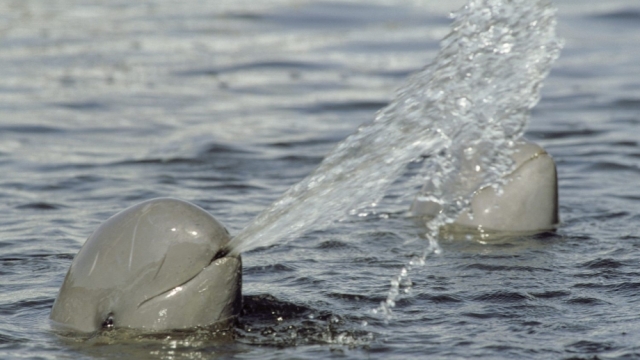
462 112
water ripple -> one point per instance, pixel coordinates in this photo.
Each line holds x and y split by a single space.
440 298
588 301
552 294
631 15
502 268
607 263
342 107
589 346
281 65
502 296
39 206
275 268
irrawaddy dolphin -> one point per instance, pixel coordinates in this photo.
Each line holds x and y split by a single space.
154 266
528 203
162 264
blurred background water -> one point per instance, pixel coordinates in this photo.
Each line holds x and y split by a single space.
228 103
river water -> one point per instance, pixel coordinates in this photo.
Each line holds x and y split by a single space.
228 103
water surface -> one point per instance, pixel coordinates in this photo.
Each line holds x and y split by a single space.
227 104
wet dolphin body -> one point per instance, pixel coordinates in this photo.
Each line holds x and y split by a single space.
158 265
151 267
529 200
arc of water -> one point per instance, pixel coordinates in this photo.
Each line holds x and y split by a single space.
464 110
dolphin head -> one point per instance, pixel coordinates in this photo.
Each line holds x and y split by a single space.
528 202
154 266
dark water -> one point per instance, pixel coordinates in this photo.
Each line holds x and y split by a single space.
228 104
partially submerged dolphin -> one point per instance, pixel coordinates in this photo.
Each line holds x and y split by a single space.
528 203
154 266
162 264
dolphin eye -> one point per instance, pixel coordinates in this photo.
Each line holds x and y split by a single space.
107 324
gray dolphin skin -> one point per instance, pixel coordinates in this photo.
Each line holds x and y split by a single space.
162 264
528 203
154 266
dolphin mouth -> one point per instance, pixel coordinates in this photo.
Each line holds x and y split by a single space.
221 254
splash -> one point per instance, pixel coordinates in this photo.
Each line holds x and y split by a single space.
463 112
